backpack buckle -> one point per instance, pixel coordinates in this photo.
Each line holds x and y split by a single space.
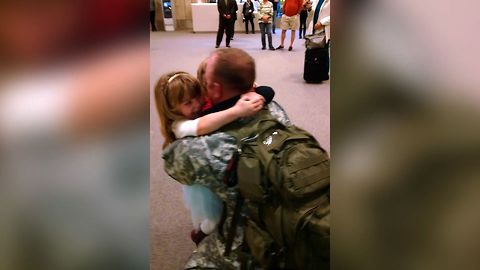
277 258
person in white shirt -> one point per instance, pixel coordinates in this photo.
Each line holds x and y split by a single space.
320 15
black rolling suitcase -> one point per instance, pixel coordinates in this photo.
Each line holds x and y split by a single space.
316 65
316 58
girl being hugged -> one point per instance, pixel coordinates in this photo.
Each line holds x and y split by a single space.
178 98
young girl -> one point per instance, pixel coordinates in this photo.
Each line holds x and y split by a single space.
179 102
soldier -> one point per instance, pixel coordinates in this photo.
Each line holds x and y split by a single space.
203 160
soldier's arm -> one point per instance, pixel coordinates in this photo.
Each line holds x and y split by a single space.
279 113
200 160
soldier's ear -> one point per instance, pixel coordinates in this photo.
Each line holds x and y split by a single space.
216 90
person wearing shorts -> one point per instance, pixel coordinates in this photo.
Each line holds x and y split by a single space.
290 20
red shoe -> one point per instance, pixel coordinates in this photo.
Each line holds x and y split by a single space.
197 236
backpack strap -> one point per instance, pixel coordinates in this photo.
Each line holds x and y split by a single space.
230 177
233 224
248 127
222 221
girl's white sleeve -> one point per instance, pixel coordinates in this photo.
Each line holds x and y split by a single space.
184 128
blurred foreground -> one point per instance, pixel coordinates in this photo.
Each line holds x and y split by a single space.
74 134
405 135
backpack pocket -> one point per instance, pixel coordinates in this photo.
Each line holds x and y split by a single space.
306 170
262 245
311 247
300 167
250 174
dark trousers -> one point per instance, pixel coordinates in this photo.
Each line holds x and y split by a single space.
152 20
249 19
225 26
273 21
303 23
275 15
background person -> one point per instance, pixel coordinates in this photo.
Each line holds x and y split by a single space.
275 8
226 13
290 20
265 12
320 16
247 12
307 7
234 17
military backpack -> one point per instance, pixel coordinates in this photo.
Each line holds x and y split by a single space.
283 176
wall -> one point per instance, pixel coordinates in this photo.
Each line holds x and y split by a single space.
182 10
183 13
159 15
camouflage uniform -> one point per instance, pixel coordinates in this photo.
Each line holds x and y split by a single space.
203 160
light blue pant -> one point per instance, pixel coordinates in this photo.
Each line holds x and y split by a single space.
266 28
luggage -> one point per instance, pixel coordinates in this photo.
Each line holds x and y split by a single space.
316 65
316 40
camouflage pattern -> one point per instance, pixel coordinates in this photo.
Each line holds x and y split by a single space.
278 112
210 253
203 160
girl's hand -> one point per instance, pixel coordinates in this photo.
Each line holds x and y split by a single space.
249 104
252 95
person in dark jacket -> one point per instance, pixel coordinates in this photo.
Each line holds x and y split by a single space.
227 12
248 15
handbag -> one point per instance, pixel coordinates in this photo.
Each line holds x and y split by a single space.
317 40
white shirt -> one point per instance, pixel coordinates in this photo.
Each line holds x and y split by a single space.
184 128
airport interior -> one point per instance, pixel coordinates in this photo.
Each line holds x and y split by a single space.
186 34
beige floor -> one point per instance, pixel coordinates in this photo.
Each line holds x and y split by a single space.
308 106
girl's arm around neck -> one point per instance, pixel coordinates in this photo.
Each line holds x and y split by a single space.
243 108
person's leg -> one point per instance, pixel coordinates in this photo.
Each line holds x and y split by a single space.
229 26
303 24
282 39
269 33
284 31
294 24
208 226
273 21
292 39
251 22
300 29
305 28
152 21
262 34
221 30
246 25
